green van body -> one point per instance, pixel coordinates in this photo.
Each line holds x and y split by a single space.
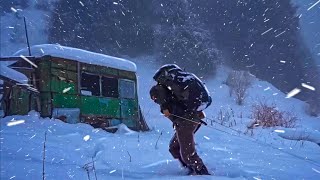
59 83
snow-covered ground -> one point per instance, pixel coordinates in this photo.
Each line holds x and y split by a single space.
70 149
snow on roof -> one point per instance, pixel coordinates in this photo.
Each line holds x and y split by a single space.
9 73
79 55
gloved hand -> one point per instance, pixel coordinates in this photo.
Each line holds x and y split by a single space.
166 113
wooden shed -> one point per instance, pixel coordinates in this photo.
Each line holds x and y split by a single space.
73 85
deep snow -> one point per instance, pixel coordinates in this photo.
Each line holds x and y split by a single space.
133 155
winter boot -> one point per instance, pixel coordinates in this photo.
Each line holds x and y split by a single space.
202 171
183 164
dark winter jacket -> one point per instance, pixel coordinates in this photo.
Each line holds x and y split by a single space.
167 100
186 87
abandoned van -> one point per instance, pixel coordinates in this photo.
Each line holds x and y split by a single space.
72 85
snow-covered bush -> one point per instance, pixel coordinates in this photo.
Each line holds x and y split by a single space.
226 117
239 82
270 116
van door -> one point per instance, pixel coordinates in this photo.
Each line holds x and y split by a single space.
129 102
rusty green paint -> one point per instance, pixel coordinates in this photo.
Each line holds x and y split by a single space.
129 108
127 75
45 101
99 70
60 63
43 75
19 101
63 86
64 75
129 111
130 123
100 106
65 100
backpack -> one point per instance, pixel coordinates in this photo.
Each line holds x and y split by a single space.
187 87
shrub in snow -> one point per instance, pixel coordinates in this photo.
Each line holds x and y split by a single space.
239 82
226 117
269 116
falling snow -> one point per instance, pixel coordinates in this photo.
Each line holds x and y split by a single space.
308 86
81 3
279 131
112 171
86 138
15 122
30 62
293 92
280 33
70 146
266 31
313 5
66 89
318 171
33 136
13 9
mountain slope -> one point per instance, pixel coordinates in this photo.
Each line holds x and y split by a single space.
132 155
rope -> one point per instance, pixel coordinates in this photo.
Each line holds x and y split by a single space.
254 140
200 123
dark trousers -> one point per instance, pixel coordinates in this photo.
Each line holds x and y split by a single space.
182 145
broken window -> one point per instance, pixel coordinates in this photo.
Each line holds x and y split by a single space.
127 89
90 84
109 87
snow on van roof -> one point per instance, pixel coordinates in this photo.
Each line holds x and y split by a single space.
12 74
79 55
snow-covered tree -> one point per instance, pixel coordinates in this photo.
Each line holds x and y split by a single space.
182 38
262 37
113 27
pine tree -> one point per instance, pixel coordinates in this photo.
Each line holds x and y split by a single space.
181 38
263 37
112 27
260 36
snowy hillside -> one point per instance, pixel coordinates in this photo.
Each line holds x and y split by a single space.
230 151
71 149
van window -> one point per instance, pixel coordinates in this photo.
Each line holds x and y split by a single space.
90 84
109 87
127 89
